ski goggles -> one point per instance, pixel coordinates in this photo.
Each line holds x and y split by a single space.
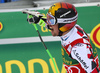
52 21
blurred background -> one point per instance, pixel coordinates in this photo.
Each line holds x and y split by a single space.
12 4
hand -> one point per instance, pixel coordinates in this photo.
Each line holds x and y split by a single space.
38 20
36 17
33 19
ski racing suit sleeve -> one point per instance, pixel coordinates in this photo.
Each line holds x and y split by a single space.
80 53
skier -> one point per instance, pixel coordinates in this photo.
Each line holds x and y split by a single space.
77 53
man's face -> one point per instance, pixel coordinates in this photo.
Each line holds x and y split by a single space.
54 30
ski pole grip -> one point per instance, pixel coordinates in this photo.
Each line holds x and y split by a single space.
35 26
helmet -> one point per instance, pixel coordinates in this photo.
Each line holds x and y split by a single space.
64 14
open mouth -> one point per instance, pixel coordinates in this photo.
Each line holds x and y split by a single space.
49 27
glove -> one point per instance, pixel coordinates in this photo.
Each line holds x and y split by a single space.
37 20
32 19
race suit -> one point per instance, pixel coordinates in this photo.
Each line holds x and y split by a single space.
77 53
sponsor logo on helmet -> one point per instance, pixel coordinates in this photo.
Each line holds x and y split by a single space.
95 35
65 13
67 20
1 26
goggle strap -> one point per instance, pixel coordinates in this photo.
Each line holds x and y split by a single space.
67 20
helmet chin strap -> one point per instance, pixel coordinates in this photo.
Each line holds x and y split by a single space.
60 33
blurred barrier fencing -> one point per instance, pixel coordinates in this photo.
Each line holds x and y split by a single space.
37 3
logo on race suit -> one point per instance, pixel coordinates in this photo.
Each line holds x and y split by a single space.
1 26
95 35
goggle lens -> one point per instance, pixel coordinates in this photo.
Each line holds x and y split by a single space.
50 19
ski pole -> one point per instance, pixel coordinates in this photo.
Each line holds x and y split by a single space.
45 46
